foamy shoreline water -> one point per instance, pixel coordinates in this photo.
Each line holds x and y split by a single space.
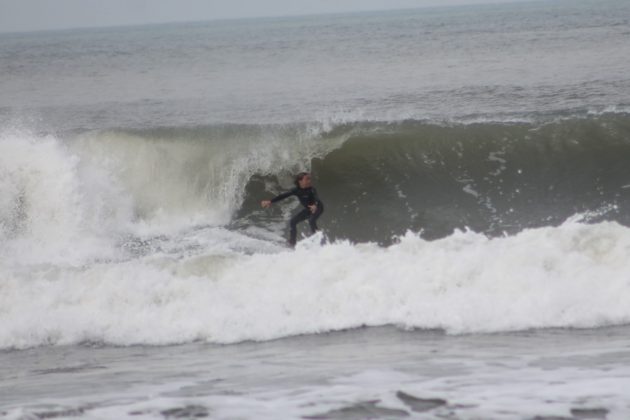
374 372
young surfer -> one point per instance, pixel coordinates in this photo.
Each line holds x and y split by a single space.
306 193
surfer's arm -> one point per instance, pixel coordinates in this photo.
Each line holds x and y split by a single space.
282 196
267 203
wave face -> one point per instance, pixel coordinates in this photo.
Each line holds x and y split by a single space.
157 236
494 178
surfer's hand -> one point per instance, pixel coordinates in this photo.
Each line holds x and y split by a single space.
265 203
313 208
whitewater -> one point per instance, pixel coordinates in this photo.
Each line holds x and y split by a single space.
465 283
472 261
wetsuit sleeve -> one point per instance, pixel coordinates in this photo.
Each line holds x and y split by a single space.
284 195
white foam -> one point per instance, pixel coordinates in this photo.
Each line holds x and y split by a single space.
574 275
52 209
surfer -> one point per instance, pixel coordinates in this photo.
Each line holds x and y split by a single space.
313 206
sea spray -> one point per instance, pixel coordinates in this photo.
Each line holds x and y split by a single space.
52 209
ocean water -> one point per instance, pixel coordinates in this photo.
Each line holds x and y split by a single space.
473 258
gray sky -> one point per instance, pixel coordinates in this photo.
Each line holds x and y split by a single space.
29 15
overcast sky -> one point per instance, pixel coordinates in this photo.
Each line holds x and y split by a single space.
29 15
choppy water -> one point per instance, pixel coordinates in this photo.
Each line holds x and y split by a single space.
473 162
495 62
360 374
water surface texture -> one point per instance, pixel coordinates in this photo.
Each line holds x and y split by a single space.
473 259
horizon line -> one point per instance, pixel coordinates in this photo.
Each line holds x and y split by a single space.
263 17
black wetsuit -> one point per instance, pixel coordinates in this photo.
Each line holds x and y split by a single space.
308 197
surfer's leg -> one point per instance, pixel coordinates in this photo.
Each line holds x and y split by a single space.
299 217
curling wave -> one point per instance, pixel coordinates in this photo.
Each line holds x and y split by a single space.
494 178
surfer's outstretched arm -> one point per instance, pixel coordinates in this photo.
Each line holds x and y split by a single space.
267 203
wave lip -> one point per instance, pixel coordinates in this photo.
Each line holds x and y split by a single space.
572 276
200 173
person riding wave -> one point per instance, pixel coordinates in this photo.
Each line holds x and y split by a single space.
313 206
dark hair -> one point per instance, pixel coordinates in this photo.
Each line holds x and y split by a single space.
299 177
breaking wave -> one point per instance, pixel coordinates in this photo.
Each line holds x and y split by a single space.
157 236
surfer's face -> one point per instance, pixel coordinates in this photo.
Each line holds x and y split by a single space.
305 182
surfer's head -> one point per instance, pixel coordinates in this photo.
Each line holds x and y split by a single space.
303 180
